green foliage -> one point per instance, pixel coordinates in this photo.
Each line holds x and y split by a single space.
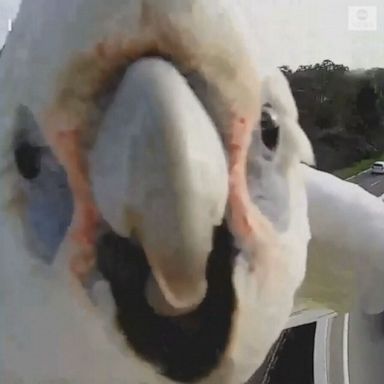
341 110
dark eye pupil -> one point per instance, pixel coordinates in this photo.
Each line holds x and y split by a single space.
27 159
269 131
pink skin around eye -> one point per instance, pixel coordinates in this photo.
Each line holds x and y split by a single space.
243 218
85 220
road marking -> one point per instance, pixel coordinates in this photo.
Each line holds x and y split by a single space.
320 355
361 173
375 183
346 350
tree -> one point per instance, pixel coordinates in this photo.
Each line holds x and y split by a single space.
286 70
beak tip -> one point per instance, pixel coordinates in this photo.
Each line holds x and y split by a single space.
172 301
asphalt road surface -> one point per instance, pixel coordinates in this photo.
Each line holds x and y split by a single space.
291 359
373 183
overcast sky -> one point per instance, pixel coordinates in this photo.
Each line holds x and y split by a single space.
299 31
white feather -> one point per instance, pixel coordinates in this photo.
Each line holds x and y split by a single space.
346 253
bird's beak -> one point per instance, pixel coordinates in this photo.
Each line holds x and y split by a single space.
159 174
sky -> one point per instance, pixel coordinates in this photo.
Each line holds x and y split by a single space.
8 9
300 31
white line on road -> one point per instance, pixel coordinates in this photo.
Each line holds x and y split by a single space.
346 350
361 173
375 183
320 356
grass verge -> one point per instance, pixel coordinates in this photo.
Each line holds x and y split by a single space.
358 167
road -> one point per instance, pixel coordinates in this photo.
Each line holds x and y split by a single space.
370 182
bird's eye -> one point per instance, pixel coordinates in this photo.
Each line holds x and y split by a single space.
269 130
28 160
42 190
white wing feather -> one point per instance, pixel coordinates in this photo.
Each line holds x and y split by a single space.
346 252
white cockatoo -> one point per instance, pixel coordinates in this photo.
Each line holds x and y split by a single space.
346 253
148 233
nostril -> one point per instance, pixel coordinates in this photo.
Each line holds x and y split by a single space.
28 160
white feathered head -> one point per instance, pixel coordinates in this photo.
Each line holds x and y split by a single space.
118 120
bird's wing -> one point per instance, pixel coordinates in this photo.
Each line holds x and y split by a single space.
346 252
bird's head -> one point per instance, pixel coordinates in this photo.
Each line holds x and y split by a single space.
152 113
